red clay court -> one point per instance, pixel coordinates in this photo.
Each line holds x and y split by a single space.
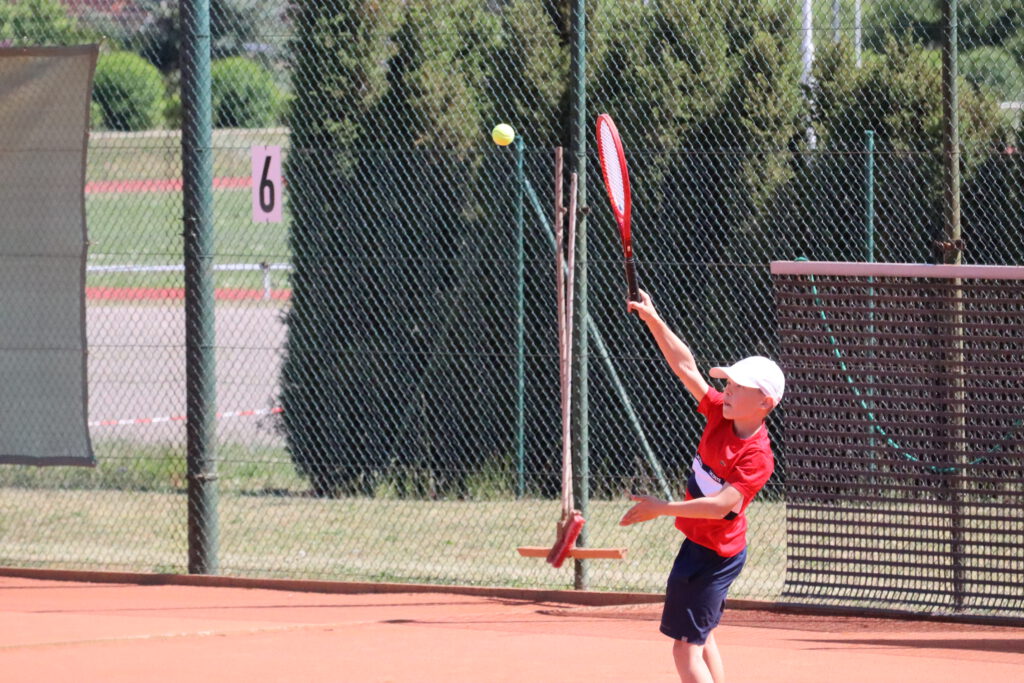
74 631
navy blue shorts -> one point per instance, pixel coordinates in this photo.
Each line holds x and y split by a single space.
697 586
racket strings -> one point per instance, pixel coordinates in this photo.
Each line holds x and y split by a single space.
613 170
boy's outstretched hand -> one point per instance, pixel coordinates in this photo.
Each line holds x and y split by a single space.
646 508
643 308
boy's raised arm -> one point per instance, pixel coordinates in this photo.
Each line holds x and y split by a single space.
676 352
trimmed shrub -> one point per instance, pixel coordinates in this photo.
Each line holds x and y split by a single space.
130 92
244 94
95 116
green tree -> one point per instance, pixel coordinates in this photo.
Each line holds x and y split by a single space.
707 98
898 95
237 27
663 70
527 84
979 22
990 22
389 242
918 20
339 73
768 111
703 91
746 156
38 22
996 69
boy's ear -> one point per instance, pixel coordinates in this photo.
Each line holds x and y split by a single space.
769 404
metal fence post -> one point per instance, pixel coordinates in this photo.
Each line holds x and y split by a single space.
950 251
580 402
869 196
520 321
200 374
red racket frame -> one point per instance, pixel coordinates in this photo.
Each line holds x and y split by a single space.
624 216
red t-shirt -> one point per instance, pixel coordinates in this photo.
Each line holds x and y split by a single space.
724 458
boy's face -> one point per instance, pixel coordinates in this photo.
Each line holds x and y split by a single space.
744 403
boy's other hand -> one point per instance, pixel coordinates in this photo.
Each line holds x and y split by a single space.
643 308
646 509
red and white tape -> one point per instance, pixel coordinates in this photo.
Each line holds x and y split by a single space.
183 418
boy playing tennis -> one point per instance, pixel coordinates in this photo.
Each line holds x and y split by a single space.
734 460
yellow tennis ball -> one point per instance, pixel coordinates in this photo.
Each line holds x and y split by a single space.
503 134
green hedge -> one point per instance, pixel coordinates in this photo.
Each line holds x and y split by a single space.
129 91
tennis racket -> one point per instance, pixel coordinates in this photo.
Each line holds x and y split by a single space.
616 181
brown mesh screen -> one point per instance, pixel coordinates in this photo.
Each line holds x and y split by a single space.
905 458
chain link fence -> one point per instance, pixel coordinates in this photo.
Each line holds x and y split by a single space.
378 418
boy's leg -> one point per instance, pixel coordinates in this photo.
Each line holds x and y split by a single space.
690 664
713 659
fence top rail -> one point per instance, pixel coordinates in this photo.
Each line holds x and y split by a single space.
915 270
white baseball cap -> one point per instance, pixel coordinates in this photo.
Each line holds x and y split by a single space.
756 372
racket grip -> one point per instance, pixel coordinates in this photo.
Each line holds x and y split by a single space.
633 290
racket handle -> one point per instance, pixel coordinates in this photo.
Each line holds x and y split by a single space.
631 286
